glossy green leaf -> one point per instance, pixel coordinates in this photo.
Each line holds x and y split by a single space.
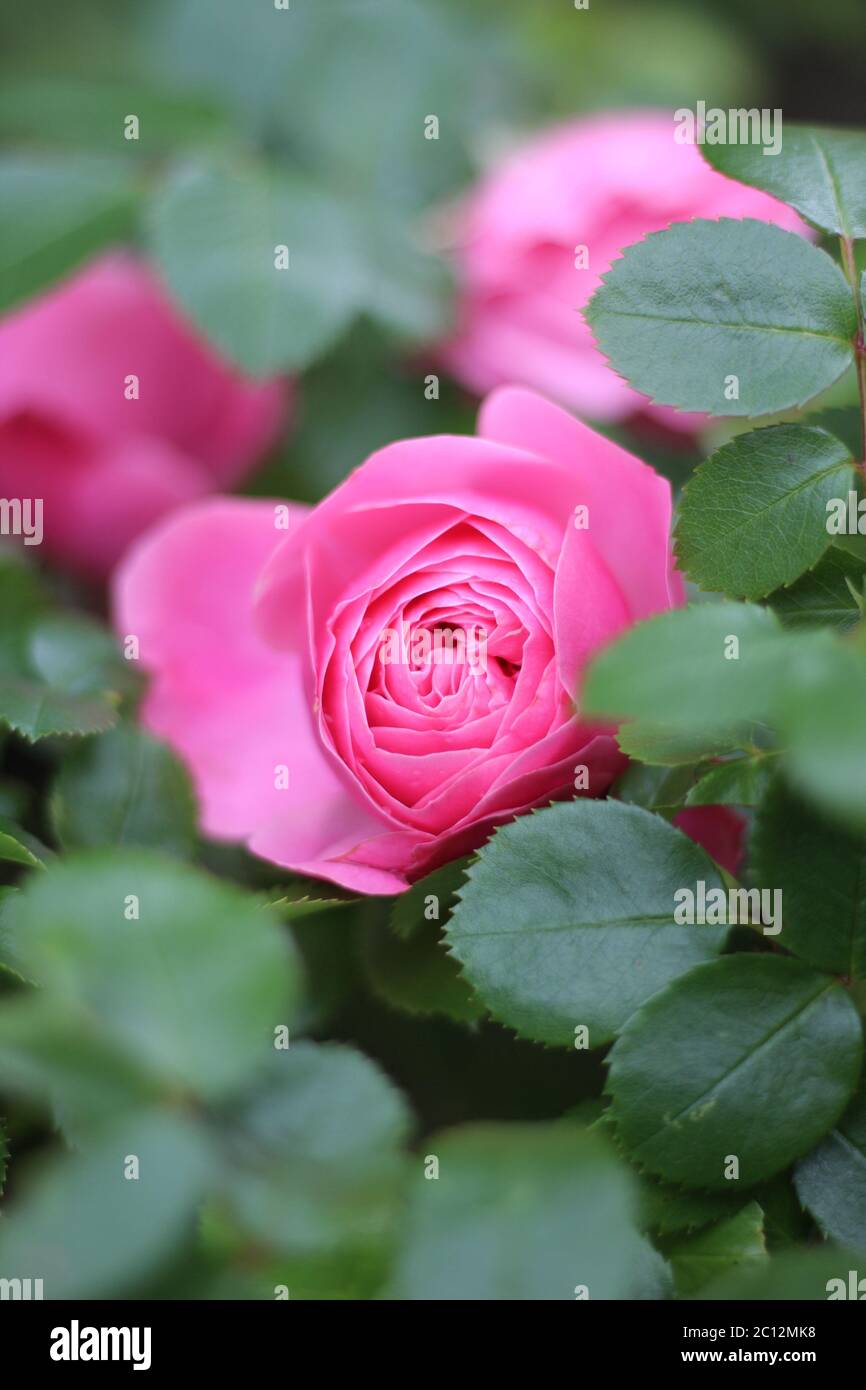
697 1259
749 1057
701 316
567 919
819 170
826 596
754 516
831 1180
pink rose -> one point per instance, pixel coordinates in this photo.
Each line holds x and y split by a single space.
321 657
599 183
105 464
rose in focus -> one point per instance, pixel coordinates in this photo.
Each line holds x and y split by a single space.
532 243
113 412
300 672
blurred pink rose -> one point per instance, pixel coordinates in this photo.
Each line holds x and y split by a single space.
600 183
315 654
719 829
107 465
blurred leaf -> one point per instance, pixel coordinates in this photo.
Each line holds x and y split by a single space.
796 1275
337 60
821 873
12 851
749 1056
57 212
656 788
818 170
74 653
680 661
821 716
317 1163
89 113
588 933
824 596
416 974
124 789
56 1054
754 516
687 308
89 1231
378 404
343 259
697 1259
191 988
4 1156
739 782
60 672
663 745
35 710
831 1180
524 1213
431 899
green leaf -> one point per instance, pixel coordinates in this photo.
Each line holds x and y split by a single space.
55 1053
831 1180
89 113
567 919
796 1275
656 788
825 596
320 1166
665 745
687 309
754 516
343 259
87 1229
821 872
416 975
60 673
124 789
12 851
739 782
190 990
666 1210
56 213
751 1056
36 711
818 170
678 661
523 1212
697 1259
821 718
436 894
77 655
